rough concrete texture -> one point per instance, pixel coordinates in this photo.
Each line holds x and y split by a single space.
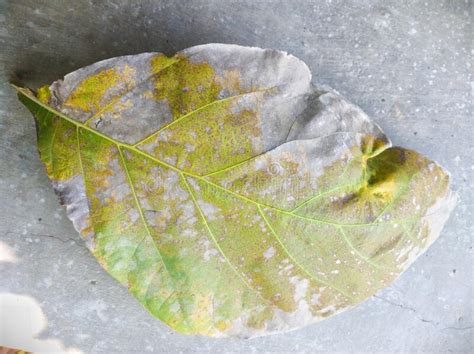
406 63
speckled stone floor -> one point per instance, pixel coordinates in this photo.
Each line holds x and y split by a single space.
406 63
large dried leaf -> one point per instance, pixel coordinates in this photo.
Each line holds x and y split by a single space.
228 195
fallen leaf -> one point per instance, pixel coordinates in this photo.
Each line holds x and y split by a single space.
230 196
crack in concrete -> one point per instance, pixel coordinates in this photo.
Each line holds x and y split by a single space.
458 328
409 308
47 236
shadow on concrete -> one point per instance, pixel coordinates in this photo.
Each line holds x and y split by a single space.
22 319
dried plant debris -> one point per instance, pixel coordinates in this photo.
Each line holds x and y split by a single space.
230 196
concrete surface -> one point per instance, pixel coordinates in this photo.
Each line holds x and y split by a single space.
406 63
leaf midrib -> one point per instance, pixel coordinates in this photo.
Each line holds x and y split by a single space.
202 178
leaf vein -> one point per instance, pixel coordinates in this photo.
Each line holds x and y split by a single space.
187 115
363 257
294 260
145 224
118 98
206 224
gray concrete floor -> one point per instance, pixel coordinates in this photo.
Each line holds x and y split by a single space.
406 63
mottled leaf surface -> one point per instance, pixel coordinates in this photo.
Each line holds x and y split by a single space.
227 194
